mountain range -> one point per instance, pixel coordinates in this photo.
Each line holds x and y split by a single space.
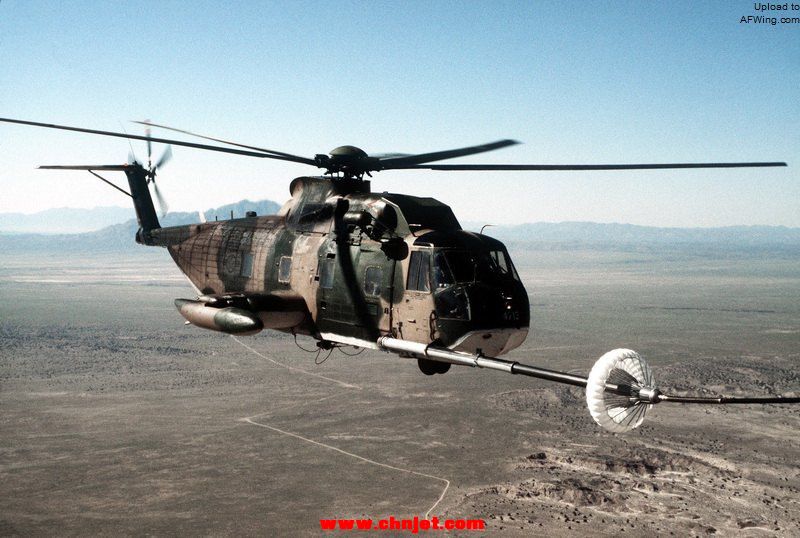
113 236
567 233
64 230
65 220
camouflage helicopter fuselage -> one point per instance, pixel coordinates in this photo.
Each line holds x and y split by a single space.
348 266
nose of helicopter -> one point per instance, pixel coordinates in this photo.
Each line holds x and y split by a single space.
491 342
499 319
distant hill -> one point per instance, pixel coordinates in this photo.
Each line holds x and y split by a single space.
121 236
64 220
68 220
595 234
262 207
532 236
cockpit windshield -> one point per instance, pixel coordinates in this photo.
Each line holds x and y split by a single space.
462 267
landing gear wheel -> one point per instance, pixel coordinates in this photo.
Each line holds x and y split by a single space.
429 367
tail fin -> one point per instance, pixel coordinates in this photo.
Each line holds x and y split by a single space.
137 181
142 203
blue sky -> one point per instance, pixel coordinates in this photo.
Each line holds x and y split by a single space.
576 82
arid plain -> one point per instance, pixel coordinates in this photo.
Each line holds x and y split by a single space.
117 418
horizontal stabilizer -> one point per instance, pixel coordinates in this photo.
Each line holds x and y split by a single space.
108 167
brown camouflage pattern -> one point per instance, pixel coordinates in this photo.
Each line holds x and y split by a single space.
333 264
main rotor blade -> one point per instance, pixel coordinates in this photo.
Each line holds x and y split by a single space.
271 151
410 160
164 141
564 167
389 155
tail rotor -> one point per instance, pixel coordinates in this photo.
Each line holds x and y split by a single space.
152 170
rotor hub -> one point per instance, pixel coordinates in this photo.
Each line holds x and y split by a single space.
348 152
350 161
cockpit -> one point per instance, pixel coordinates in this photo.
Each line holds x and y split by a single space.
474 284
441 268
448 273
452 266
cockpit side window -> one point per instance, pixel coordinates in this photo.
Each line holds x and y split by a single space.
419 268
463 267
462 264
499 260
442 275
503 263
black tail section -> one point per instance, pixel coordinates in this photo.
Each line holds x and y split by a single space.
142 202
138 177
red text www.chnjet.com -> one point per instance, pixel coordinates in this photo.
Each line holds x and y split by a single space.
413 525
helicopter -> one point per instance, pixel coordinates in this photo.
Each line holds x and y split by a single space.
391 272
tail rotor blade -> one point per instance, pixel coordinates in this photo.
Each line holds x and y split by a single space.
153 169
162 203
165 157
149 149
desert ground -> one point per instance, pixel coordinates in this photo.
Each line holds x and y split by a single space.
118 419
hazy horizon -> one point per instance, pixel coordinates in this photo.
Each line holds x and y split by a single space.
466 224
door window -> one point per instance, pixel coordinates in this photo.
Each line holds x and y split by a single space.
372 281
419 268
326 272
285 269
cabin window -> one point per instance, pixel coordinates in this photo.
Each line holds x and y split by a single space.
312 212
311 217
419 268
372 281
284 269
326 271
247 240
247 265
